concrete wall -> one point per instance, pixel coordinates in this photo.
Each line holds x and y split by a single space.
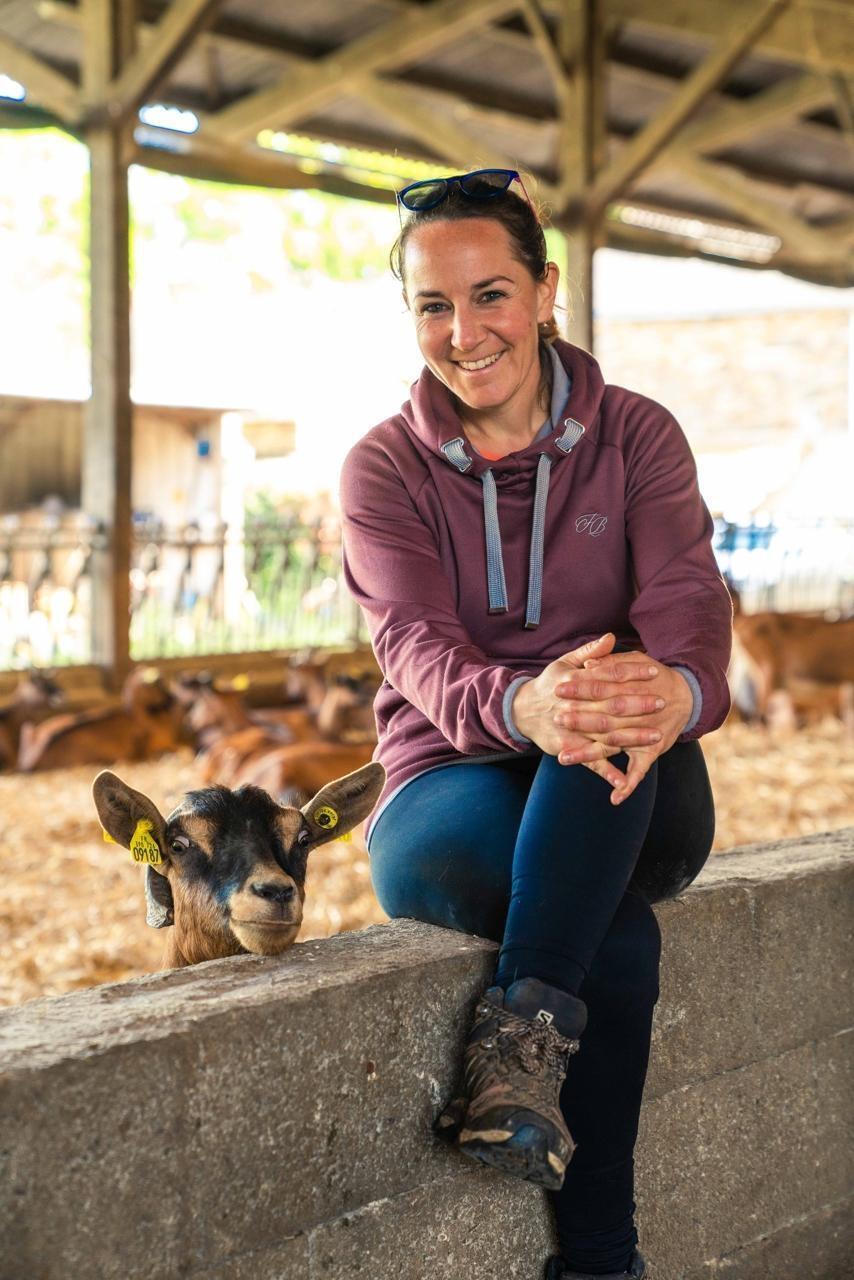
257 1119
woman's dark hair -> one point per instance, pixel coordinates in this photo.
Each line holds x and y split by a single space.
513 212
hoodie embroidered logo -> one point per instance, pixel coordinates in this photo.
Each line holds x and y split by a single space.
592 522
545 1017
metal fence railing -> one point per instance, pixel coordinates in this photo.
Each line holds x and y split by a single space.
194 590
789 566
214 590
45 589
203 589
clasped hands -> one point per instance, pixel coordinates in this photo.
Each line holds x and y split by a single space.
592 703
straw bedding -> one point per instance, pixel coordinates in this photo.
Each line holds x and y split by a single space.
72 912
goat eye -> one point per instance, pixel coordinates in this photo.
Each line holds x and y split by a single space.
180 844
304 837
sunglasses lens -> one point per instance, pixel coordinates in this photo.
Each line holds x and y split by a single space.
487 183
423 195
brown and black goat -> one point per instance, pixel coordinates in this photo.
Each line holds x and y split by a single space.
235 739
226 869
36 695
144 725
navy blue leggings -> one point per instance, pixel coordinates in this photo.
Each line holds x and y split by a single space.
533 855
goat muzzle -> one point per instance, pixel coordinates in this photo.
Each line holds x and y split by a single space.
266 915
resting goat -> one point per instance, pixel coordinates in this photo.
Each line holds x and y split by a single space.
792 667
36 694
146 724
226 869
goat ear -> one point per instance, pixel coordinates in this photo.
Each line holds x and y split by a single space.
342 804
120 809
159 903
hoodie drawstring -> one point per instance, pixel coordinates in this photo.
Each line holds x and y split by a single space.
538 528
496 585
454 451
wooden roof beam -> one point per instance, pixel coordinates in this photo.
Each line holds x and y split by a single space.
167 43
843 101
549 53
412 35
43 85
443 137
650 141
193 155
732 122
224 34
746 198
843 228
785 40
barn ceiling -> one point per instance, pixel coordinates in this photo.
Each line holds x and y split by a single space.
713 127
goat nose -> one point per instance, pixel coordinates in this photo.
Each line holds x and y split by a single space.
274 890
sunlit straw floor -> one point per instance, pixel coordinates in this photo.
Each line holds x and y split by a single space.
72 913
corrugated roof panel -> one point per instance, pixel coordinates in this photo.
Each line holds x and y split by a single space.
491 82
492 63
326 21
59 43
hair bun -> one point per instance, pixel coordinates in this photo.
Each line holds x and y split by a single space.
548 329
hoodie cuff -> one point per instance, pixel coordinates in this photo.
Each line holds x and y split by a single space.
696 694
506 705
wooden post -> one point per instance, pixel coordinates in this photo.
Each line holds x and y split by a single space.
579 253
583 41
108 29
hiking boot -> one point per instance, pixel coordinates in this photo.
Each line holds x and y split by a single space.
556 1269
508 1112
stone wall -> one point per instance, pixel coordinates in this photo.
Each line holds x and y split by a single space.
260 1119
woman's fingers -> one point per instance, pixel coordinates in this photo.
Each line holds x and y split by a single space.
622 667
600 728
640 761
585 752
632 737
592 651
606 770
595 749
623 704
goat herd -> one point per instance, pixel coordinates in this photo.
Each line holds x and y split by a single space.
324 726
226 869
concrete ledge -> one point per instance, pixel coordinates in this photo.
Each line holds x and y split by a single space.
253 1119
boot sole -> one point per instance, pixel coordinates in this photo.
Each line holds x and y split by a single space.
523 1153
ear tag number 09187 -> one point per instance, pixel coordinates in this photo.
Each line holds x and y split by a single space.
143 846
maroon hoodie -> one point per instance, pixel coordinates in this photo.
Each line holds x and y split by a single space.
473 572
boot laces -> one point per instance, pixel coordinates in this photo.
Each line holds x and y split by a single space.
537 1048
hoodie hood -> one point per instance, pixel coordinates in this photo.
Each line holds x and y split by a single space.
431 416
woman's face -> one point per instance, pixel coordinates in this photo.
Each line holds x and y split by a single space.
476 309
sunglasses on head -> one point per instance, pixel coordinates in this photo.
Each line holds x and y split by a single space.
482 184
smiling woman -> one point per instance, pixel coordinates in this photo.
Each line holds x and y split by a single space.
473 304
515 510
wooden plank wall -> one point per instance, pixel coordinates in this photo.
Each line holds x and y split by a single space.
39 451
40 456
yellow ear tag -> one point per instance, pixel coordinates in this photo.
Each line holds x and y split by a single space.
326 817
240 683
348 835
143 846
108 839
